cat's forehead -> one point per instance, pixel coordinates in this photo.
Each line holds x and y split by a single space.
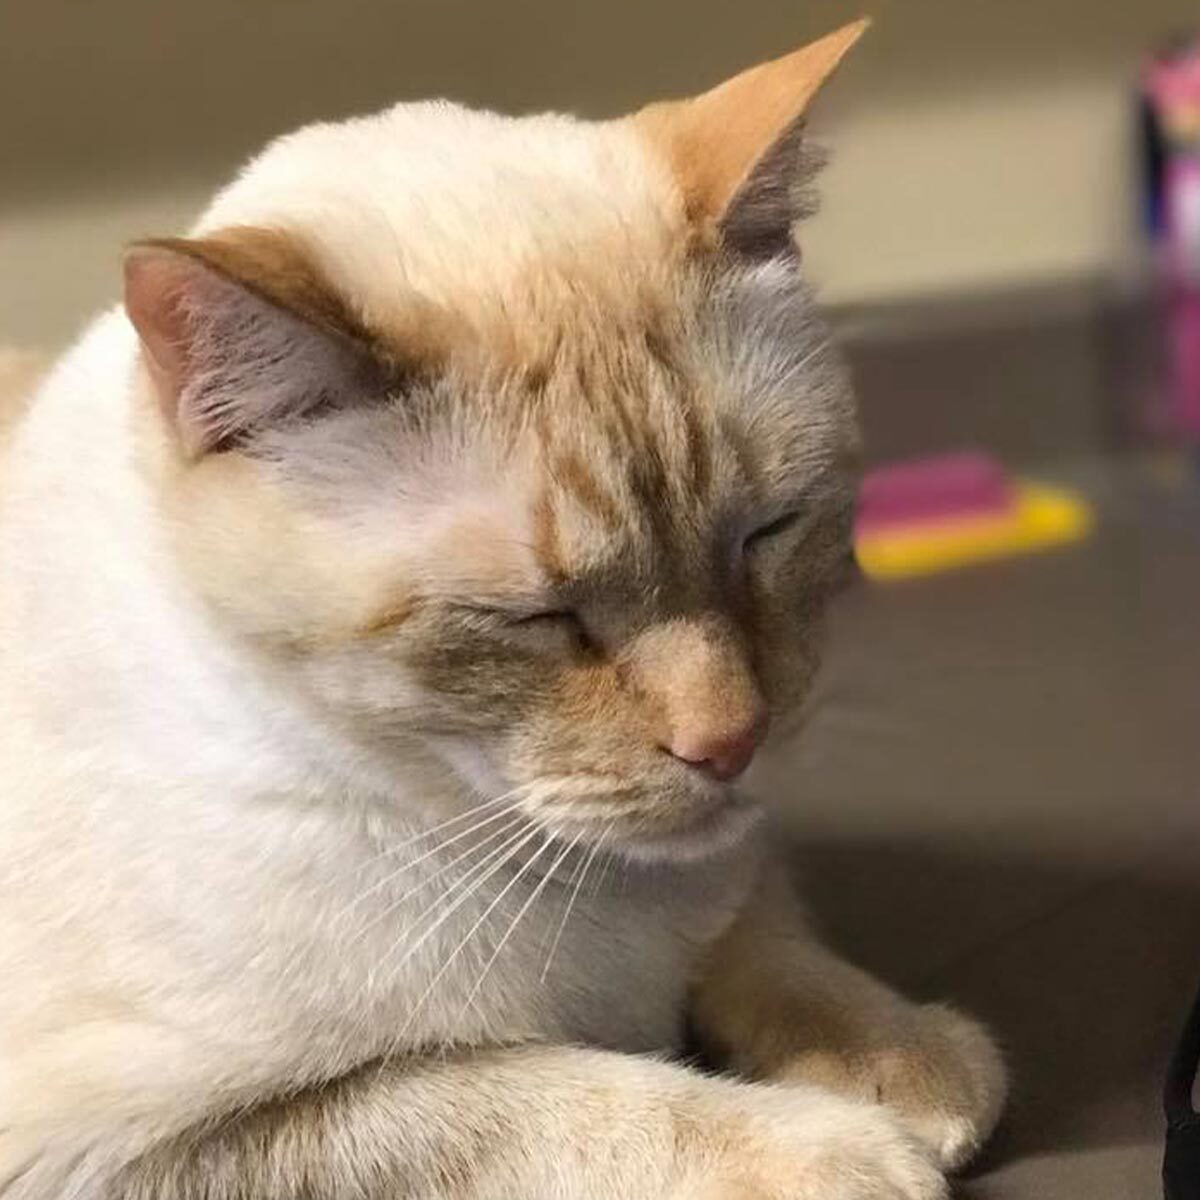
460 210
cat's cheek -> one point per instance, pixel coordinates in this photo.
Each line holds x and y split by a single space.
583 727
365 686
473 762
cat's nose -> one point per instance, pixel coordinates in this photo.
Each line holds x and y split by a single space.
725 753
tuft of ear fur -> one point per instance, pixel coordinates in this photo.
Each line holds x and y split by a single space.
737 150
240 336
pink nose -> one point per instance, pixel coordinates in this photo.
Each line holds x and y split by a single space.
724 755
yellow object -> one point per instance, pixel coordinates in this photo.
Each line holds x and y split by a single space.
1041 517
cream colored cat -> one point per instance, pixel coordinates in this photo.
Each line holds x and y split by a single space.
391 592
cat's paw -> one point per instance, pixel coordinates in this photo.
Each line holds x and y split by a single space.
816 1148
938 1071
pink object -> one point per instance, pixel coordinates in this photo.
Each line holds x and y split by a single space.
1173 85
963 484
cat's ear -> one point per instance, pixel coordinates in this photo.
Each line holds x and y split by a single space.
736 151
238 336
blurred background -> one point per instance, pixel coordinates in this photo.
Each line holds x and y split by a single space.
997 798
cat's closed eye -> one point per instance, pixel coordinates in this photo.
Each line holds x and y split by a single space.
561 617
560 624
771 529
563 625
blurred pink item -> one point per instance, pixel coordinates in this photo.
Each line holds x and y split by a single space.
964 484
1172 83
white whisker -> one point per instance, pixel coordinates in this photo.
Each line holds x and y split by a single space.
506 852
461 889
605 867
448 823
529 902
575 884
487 912
379 884
422 884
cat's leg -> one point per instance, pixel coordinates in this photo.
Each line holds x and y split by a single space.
775 1004
542 1123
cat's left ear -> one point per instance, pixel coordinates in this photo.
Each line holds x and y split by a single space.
736 151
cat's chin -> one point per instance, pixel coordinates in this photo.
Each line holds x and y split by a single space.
719 829
715 827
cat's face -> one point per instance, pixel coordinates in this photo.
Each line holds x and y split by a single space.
559 493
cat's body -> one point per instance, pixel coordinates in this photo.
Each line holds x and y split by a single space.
294 833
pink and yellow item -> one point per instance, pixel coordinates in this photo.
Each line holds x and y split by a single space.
930 515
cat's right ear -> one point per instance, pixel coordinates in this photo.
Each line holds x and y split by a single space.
737 152
234 347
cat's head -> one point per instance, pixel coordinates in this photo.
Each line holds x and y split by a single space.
518 438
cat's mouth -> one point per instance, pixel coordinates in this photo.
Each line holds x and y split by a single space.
646 823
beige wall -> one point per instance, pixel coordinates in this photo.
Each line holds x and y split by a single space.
992 189
977 143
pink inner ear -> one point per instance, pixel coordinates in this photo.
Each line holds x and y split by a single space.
226 361
156 285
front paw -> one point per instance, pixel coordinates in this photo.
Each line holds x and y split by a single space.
937 1070
814 1146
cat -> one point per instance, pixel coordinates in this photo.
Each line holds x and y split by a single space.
392 590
